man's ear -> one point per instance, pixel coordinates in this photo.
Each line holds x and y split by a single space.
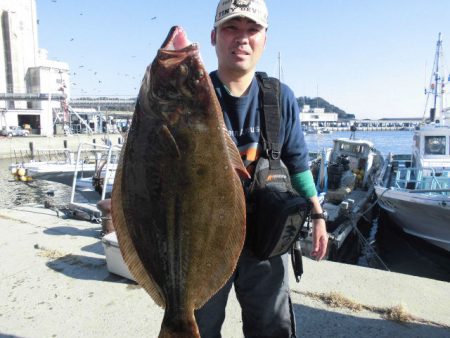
213 37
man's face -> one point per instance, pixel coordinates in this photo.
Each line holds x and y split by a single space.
239 44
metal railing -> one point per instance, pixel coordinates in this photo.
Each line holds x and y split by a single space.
425 180
109 154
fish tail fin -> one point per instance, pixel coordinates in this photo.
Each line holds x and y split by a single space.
168 333
179 328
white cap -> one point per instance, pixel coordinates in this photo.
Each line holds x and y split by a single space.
255 10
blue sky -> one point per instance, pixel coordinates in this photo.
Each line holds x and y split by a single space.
370 58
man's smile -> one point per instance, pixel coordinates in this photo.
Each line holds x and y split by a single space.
240 52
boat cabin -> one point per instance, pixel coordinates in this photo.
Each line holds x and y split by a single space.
360 154
431 149
349 163
428 168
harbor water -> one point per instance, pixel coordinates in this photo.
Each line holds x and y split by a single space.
399 252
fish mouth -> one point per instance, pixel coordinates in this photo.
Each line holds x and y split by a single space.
177 40
176 75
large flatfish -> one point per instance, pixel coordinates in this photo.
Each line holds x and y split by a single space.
178 205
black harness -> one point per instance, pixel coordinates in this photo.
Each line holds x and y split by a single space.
275 211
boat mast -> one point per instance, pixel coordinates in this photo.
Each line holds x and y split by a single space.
436 85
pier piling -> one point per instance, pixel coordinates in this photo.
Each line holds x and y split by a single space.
32 150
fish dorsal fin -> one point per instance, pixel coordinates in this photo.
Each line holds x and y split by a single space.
235 157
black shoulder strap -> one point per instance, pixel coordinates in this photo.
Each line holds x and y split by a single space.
270 105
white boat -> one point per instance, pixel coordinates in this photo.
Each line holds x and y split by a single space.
58 166
345 176
325 130
96 187
60 173
414 189
311 130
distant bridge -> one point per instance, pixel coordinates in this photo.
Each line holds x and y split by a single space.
102 103
390 120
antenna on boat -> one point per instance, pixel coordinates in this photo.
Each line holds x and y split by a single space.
279 78
279 66
436 87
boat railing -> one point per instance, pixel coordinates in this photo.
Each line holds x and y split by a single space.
54 155
426 179
106 154
401 158
22 156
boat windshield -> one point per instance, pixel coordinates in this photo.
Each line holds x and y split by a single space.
352 148
435 145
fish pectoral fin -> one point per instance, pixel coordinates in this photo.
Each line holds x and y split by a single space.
169 142
235 157
242 173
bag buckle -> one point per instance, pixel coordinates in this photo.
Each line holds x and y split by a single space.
273 154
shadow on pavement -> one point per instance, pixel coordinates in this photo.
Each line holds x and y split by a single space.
85 268
312 322
73 231
96 248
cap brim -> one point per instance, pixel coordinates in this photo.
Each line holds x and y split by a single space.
236 15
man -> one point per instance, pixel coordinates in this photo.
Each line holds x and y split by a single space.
239 37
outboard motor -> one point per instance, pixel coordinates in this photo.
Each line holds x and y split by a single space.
335 171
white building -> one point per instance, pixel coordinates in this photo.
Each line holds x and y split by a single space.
315 116
26 73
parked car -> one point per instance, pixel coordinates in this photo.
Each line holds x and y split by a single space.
14 131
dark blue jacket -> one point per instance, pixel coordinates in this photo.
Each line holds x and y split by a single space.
242 119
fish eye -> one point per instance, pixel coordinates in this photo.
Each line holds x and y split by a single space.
183 69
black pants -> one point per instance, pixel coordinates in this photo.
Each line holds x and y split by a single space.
262 289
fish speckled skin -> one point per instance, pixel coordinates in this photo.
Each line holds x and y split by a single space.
178 206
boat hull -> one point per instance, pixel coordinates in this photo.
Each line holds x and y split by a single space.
61 175
422 215
58 172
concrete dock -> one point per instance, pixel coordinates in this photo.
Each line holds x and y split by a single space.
54 283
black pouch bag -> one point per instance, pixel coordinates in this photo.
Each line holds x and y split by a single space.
276 212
